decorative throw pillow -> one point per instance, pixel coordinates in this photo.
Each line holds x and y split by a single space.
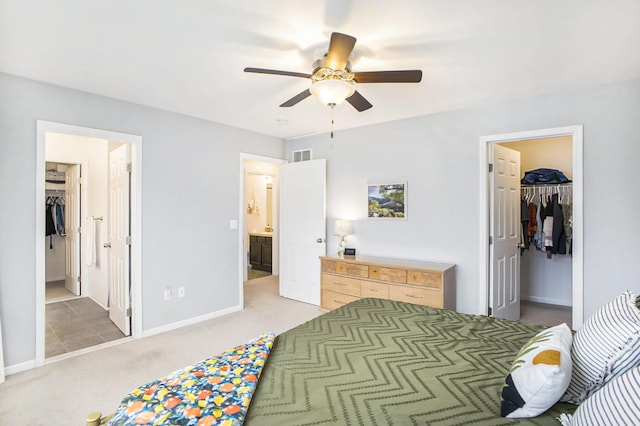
606 346
539 375
616 403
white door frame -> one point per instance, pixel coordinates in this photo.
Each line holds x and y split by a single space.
42 127
577 271
242 254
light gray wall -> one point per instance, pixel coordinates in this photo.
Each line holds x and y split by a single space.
189 194
438 156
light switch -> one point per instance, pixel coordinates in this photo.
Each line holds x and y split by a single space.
233 224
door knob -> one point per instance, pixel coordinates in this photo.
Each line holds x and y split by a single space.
320 240
106 245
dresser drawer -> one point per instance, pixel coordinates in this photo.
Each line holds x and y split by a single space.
372 289
331 300
428 279
341 284
418 296
388 274
352 269
329 266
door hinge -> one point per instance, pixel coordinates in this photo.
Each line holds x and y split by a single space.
79 279
128 313
79 230
490 240
128 167
127 240
490 167
490 312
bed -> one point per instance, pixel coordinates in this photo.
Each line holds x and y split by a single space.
382 362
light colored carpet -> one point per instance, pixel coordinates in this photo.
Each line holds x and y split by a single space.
543 314
64 392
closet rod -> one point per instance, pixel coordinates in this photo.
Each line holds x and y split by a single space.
545 185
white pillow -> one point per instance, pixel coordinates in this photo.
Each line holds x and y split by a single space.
616 403
605 347
539 375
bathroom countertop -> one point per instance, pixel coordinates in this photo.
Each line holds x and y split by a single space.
261 234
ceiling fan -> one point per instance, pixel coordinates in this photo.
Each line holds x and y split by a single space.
332 78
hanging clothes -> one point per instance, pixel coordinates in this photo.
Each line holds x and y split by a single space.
567 210
524 218
50 226
54 218
559 238
551 207
59 219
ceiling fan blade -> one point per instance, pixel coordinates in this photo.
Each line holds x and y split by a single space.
359 102
340 48
277 72
297 98
407 76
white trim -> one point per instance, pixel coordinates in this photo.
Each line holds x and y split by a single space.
19 368
242 255
190 321
546 301
42 127
90 349
577 264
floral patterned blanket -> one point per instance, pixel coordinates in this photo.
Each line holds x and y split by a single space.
216 390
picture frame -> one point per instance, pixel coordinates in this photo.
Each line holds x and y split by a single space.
387 200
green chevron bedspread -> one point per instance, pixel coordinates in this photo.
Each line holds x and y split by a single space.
380 362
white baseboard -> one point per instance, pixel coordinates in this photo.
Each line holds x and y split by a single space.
190 321
545 300
18 368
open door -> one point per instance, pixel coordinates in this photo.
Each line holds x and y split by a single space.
302 229
72 229
505 230
119 239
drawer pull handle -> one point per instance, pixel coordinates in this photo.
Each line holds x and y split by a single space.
337 283
414 297
373 290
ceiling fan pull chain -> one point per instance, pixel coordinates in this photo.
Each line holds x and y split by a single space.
332 106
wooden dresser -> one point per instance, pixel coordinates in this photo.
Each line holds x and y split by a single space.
349 278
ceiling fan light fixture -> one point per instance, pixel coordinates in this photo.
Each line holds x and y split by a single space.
332 91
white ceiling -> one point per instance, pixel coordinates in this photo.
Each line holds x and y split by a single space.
188 56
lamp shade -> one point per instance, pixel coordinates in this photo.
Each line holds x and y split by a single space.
332 91
342 227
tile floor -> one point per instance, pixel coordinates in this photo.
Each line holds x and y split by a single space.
252 274
76 324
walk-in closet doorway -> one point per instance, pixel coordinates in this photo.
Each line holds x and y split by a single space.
536 278
104 269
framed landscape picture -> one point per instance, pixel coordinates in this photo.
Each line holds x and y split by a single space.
387 200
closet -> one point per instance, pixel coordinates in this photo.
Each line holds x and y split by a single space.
545 277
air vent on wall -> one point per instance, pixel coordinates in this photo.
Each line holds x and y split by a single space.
302 155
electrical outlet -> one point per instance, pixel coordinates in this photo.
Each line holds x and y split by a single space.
167 293
180 291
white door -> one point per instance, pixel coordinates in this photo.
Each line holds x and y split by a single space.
119 235
72 229
302 229
506 228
